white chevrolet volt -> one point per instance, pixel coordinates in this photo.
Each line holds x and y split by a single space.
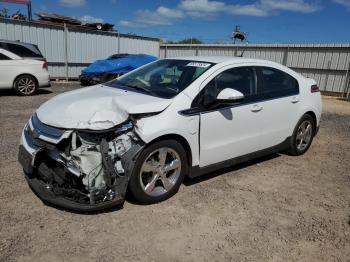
147 130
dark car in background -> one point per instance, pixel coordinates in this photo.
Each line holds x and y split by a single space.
102 71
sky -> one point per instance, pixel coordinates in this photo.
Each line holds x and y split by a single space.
265 21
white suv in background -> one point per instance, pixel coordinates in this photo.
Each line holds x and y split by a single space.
22 67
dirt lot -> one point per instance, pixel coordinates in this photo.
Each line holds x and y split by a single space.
273 209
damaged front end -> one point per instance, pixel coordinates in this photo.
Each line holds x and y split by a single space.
80 170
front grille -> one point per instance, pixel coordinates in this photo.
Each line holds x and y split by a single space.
42 135
45 130
33 139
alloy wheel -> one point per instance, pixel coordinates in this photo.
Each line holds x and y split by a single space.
304 135
160 171
26 86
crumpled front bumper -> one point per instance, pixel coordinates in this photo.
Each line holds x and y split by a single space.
47 196
27 156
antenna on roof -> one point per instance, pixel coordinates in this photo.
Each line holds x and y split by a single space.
242 37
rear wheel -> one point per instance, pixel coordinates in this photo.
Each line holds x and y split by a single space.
25 85
158 172
302 136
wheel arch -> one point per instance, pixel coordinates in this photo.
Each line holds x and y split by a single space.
179 139
314 118
24 74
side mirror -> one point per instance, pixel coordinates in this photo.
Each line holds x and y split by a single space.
229 95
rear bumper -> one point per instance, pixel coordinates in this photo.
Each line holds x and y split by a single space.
43 79
45 85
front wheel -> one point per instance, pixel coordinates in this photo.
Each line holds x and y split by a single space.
302 136
158 172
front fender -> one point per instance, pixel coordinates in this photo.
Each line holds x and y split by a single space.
170 122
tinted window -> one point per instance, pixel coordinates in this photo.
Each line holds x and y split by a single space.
23 51
275 83
4 57
241 79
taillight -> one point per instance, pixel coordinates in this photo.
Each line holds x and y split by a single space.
315 88
45 65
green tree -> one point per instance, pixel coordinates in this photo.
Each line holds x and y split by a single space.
192 41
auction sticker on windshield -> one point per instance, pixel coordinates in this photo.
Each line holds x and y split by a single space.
198 64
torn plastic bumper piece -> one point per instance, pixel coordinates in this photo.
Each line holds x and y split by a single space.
43 191
33 175
47 196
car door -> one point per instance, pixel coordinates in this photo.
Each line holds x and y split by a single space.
228 131
6 64
278 101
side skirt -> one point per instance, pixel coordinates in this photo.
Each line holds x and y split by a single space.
198 171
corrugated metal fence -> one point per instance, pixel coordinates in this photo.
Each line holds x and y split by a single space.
328 64
68 50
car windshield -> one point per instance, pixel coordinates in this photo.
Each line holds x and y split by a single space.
164 78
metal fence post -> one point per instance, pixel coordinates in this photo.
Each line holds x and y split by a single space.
327 76
346 90
66 51
118 42
159 51
285 56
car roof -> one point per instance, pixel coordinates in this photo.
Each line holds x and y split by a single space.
16 42
32 47
222 59
230 60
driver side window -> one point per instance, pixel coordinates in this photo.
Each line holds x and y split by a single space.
241 79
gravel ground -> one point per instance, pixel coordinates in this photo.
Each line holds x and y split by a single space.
278 208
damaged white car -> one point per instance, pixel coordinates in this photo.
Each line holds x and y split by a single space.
147 130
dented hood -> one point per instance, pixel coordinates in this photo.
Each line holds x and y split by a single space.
97 107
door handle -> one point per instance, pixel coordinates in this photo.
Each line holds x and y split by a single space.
256 108
295 99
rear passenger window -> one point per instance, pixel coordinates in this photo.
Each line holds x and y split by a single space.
4 57
23 51
274 83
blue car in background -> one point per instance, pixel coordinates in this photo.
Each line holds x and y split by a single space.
102 71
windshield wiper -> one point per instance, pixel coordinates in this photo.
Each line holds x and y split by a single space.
140 88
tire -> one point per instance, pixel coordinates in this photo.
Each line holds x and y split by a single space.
25 85
303 135
149 183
